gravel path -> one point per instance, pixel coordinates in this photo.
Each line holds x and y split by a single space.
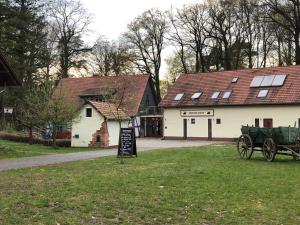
142 145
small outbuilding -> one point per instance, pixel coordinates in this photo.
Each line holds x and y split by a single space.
98 125
214 106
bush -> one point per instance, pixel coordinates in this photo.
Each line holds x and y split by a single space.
25 138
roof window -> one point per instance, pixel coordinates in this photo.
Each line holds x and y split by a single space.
279 80
215 95
179 96
262 93
226 94
196 95
234 80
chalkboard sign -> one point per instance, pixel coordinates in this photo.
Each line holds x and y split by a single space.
127 142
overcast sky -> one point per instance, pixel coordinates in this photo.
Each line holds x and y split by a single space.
112 16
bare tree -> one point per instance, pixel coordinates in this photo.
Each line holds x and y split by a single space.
146 38
193 19
70 21
286 14
112 57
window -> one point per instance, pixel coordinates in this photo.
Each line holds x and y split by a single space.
268 123
196 95
234 80
256 122
262 93
218 121
179 96
193 121
215 95
226 94
88 112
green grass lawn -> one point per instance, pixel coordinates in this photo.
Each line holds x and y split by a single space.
10 149
207 185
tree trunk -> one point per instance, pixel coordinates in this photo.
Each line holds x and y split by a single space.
54 144
280 63
297 48
30 140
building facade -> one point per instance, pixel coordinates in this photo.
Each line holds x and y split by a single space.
97 125
214 106
134 94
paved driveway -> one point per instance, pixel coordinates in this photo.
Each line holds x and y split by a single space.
142 145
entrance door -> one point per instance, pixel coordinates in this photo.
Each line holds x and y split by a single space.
268 123
209 129
185 128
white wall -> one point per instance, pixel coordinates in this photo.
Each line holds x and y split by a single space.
85 127
114 131
232 118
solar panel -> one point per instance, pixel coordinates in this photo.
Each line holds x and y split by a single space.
267 81
215 95
226 94
278 80
196 95
256 81
178 96
262 93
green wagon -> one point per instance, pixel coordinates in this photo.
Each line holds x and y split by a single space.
271 141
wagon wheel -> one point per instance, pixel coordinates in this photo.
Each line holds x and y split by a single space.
269 149
297 149
245 146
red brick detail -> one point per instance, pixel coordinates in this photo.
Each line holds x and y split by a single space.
104 137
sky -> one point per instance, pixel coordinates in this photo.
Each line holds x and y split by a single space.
110 17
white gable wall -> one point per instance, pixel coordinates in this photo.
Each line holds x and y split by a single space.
114 131
85 127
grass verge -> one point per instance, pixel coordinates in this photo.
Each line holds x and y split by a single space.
10 149
207 185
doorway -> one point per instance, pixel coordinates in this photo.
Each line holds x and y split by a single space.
210 129
184 128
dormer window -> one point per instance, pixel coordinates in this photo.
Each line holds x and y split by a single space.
262 93
226 94
179 96
215 95
196 95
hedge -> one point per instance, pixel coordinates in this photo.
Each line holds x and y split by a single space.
25 138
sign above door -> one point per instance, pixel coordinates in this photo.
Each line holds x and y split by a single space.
197 113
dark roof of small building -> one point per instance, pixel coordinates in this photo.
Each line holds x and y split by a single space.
242 93
134 87
109 110
7 75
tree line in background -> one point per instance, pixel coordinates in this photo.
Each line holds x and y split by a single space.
44 40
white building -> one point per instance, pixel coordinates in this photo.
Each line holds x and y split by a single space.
98 125
134 94
214 106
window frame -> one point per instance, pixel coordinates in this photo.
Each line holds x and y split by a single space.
88 112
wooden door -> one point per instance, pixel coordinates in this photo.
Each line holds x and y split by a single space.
268 123
185 128
209 129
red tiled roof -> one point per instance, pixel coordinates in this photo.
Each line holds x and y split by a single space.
242 93
134 86
7 75
109 110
